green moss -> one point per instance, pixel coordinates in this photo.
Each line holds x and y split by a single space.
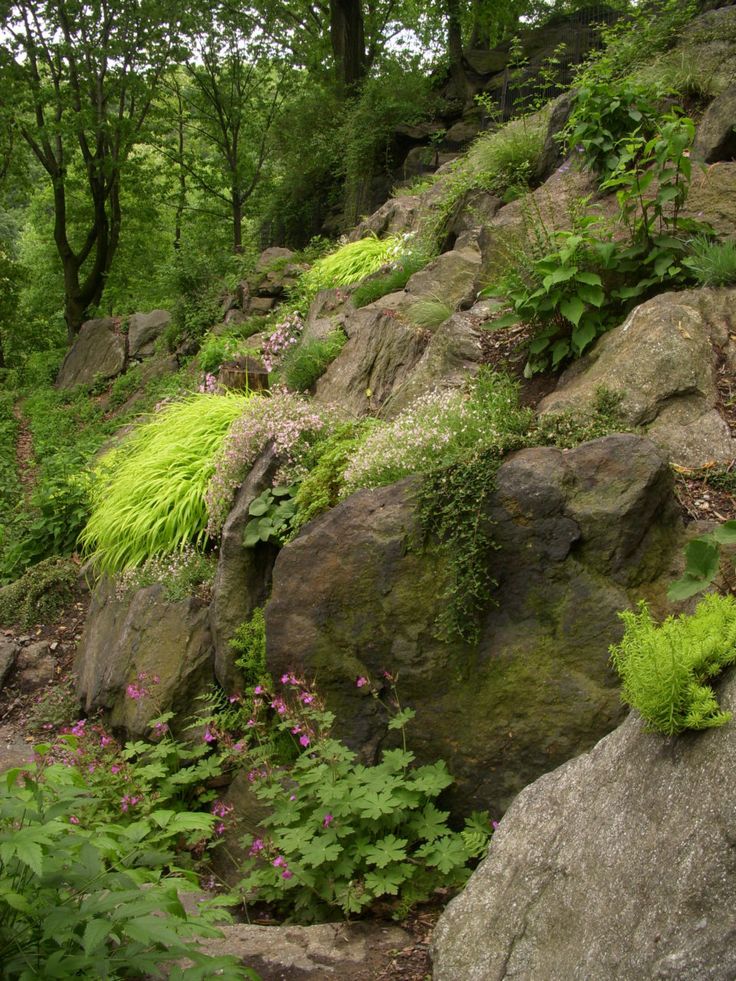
40 594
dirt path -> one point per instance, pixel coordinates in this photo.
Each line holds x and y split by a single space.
24 452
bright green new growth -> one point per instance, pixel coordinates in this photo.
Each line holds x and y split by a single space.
150 498
349 264
664 667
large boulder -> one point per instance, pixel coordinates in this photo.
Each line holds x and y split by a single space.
451 278
620 864
243 574
716 139
580 533
663 360
144 329
134 639
98 353
381 351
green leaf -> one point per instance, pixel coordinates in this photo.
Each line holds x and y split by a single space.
401 718
386 881
591 278
30 853
725 534
507 320
591 294
701 559
252 535
96 933
258 507
560 350
662 264
387 850
686 587
560 275
572 309
582 336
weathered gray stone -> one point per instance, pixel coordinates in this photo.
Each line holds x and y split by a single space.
98 352
551 155
327 952
143 633
9 648
662 360
260 304
35 666
243 574
396 217
275 254
463 131
453 355
715 138
144 329
381 351
581 533
245 818
620 864
712 197
452 277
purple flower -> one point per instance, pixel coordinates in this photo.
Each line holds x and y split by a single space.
304 740
73 819
287 874
361 682
219 828
278 862
256 847
327 820
209 736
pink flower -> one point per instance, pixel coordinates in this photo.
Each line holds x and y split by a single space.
105 740
287 874
73 819
259 690
361 682
208 737
306 697
278 862
256 847
327 820
115 768
219 828
304 740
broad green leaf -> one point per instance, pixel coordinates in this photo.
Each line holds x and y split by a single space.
560 350
387 850
591 294
96 933
560 275
591 278
572 309
701 559
725 534
31 854
258 507
686 587
582 336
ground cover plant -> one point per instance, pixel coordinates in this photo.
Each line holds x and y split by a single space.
340 836
349 264
665 667
396 279
149 498
306 362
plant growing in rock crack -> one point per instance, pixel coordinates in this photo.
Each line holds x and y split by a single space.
702 560
340 835
271 516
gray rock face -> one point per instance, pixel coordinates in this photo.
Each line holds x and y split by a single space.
715 138
8 653
663 360
142 634
326 952
620 864
144 329
35 666
381 351
551 155
580 534
451 277
270 256
97 353
243 574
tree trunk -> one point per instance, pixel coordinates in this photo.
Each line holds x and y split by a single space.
455 49
347 36
237 211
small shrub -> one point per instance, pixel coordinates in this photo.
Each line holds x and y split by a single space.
40 594
123 387
150 499
248 645
429 313
271 515
217 348
305 363
712 263
664 668
342 836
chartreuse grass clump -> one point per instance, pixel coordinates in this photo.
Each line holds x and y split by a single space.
664 668
349 264
149 499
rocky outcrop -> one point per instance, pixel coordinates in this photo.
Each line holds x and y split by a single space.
98 353
134 640
243 574
355 594
620 864
144 329
663 360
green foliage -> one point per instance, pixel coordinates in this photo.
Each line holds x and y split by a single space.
606 113
437 430
217 348
347 265
248 645
124 387
702 559
429 313
711 263
307 361
149 500
10 486
82 895
664 668
271 514
183 573
376 287
569 429
587 280
326 464
55 706
341 835
40 594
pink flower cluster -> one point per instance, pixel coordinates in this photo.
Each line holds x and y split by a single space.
282 419
209 385
286 335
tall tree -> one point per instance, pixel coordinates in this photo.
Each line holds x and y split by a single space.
82 75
